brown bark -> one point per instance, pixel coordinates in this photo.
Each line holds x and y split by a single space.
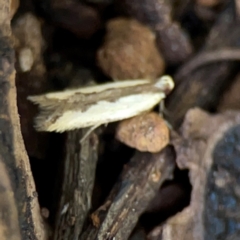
20 218
137 186
77 184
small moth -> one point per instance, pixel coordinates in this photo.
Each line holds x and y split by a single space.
99 104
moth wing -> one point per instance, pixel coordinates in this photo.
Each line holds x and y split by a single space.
99 113
44 102
66 94
54 99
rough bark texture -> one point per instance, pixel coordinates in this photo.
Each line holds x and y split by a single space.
27 35
20 216
77 184
137 186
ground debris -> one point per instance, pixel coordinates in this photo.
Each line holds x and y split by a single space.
208 147
136 187
159 178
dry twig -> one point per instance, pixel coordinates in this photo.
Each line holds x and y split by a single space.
137 186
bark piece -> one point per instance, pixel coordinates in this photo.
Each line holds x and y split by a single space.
31 78
77 184
20 218
208 147
137 186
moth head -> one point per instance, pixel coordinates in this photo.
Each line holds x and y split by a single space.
165 83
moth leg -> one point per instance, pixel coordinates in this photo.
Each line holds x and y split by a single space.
162 108
163 111
89 132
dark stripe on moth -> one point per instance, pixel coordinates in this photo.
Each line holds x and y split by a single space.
52 109
82 101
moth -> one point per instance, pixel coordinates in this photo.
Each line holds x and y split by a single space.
100 104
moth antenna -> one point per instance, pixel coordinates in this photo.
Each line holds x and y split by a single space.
162 108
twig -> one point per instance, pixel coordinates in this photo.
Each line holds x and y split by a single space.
204 86
207 58
77 184
136 187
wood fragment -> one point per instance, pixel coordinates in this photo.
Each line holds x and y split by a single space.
77 184
131 195
27 37
20 218
207 58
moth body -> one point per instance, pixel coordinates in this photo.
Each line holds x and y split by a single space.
99 104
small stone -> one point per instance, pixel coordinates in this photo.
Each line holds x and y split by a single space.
147 132
25 59
45 212
130 51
